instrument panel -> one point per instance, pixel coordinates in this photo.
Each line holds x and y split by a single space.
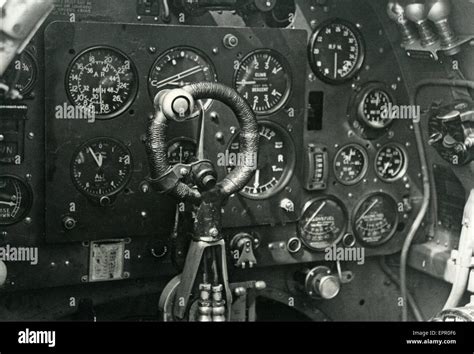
335 166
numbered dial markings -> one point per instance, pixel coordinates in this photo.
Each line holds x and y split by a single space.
181 150
15 200
22 72
323 223
350 164
102 81
101 167
263 79
376 219
179 67
391 163
276 159
375 109
336 51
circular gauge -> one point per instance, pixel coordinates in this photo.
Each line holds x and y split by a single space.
276 161
336 51
181 150
15 200
101 167
350 164
376 219
323 223
22 72
102 80
375 105
391 162
179 67
264 80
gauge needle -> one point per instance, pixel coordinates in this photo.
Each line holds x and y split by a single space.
98 160
335 65
314 215
180 76
368 209
386 167
257 179
7 203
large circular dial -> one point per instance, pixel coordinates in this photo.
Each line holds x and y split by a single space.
391 162
350 164
15 200
101 167
22 72
376 219
276 160
323 223
264 80
336 51
102 80
179 67
375 106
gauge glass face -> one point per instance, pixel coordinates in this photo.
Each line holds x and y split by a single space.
22 72
336 52
179 67
350 164
375 109
276 160
181 150
264 80
102 80
101 167
15 200
390 163
323 223
376 219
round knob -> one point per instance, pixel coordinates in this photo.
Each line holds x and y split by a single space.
396 12
416 11
438 10
69 223
321 283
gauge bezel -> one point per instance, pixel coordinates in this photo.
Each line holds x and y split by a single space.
286 67
403 170
289 168
34 68
28 206
364 169
199 52
134 90
307 205
394 227
362 96
360 60
88 143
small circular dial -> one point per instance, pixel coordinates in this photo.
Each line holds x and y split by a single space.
375 108
350 164
22 72
390 163
101 167
179 67
102 80
181 150
336 51
15 200
376 219
264 80
323 223
276 160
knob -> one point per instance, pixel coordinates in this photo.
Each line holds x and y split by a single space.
417 12
438 13
69 223
321 283
242 246
287 205
396 12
